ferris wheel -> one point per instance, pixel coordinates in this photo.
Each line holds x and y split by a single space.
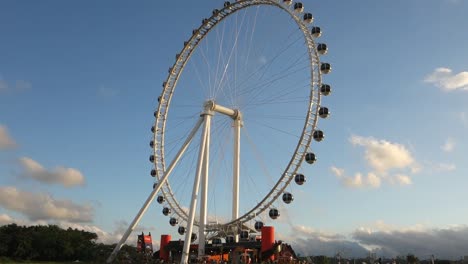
235 120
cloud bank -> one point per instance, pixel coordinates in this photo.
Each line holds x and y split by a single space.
68 177
444 243
38 206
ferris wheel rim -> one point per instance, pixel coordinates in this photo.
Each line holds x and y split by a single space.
170 84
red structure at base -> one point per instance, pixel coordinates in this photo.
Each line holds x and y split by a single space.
268 240
163 252
251 249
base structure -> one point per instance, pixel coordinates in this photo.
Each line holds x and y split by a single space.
202 172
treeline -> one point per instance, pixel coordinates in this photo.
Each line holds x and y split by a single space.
52 243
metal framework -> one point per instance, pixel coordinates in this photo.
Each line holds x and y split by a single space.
309 125
210 108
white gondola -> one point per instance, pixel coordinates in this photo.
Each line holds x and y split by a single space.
308 18
325 89
322 48
318 135
316 32
173 221
300 179
258 225
160 199
274 213
181 230
288 197
325 68
166 211
244 234
310 158
230 239
298 7
324 112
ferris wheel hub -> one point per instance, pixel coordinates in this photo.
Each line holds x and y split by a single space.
210 106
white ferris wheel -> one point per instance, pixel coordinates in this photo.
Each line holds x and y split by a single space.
235 120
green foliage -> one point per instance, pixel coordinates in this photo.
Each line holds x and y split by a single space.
46 243
321 260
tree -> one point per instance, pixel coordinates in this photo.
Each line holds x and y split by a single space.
412 259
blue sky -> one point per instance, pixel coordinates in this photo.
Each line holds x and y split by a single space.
79 82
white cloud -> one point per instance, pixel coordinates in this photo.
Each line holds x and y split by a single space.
67 177
383 155
355 181
445 78
6 142
449 145
358 180
373 180
383 158
40 206
337 171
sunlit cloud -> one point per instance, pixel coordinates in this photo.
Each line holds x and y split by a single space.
358 180
449 145
6 141
67 177
445 79
382 155
6 219
402 179
41 206
386 160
